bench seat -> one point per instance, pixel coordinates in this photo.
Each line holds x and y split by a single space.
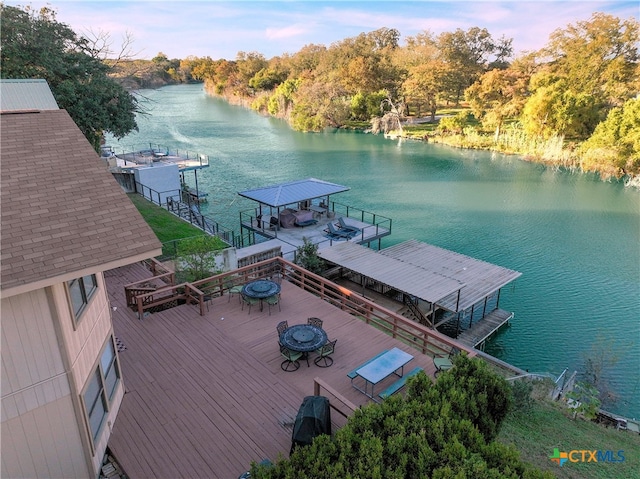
399 384
352 374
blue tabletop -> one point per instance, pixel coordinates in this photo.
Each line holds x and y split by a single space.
262 288
383 366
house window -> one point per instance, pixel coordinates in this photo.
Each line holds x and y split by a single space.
100 388
80 291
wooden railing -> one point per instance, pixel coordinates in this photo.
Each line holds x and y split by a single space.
340 404
420 337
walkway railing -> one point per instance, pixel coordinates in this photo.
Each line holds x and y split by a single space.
172 201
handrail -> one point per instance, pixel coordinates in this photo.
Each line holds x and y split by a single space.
415 310
416 335
319 385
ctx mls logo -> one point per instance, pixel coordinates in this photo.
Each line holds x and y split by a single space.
559 457
581 455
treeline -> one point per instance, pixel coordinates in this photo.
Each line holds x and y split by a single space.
574 102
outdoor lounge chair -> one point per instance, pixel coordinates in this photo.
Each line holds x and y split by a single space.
345 227
339 233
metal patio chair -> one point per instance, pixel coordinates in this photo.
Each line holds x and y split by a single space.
324 354
291 359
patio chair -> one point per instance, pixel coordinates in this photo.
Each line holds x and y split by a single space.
272 301
291 359
345 227
338 233
444 363
315 322
232 289
281 328
276 275
324 359
248 301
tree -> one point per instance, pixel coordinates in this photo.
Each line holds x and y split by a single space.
318 105
307 257
614 146
597 57
556 109
496 96
197 257
584 400
469 55
35 45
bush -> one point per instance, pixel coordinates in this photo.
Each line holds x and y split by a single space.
307 257
197 258
442 430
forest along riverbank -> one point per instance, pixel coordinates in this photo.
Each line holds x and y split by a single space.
573 237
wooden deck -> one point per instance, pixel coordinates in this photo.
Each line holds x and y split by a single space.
205 396
484 328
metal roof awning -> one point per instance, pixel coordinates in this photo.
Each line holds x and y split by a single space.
293 192
416 281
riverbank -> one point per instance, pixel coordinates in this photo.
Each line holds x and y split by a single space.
553 152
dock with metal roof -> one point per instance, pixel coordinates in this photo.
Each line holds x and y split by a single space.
313 198
437 285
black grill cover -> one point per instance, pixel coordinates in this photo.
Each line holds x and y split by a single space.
313 419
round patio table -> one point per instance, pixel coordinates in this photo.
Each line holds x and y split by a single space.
261 289
303 338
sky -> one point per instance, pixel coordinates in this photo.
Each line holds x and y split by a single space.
221 29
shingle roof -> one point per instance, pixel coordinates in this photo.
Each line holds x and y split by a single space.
293 192
62 211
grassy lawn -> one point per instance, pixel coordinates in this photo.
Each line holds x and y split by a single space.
166 226
547 425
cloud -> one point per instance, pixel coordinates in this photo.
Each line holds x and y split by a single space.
286 32
220 29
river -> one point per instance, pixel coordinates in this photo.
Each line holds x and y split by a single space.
575 239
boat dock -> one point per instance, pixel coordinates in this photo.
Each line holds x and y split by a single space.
481 331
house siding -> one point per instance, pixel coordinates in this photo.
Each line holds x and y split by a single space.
45 366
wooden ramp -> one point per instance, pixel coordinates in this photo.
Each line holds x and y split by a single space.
479 332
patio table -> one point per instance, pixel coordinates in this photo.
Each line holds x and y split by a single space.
261 289
380 368
303 338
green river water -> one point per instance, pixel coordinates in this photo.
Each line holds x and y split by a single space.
575 239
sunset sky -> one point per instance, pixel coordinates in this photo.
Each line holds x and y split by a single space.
220 29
